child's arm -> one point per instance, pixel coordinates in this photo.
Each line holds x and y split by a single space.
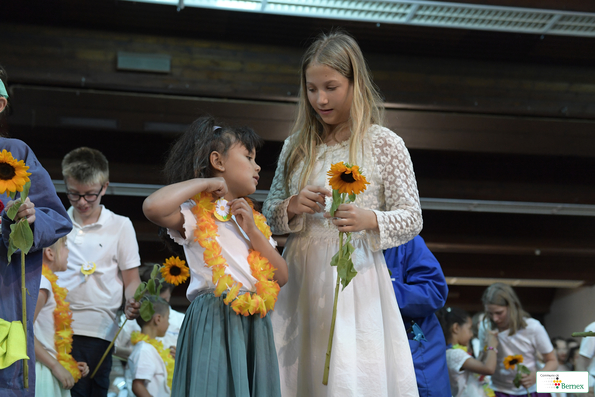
131 280
43 356
489 360
243 213
139 389
163 206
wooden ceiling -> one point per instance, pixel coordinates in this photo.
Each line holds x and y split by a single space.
486 115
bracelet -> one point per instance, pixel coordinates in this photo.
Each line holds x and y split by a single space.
490 348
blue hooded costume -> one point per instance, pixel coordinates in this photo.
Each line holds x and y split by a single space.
421 290
51 223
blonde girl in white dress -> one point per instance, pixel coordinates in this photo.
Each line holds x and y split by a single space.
339 119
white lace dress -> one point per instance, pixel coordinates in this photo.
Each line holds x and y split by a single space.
371 354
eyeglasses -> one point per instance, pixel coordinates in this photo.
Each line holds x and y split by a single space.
89 197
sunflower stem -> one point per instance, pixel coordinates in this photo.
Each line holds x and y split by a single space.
108 348
327 363
24 303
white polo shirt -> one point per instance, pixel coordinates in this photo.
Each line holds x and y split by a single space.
111 244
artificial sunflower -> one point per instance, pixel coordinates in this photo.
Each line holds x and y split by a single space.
511 361
175 271
13 173
347 179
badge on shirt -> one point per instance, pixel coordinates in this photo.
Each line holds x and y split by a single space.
88 268
222 210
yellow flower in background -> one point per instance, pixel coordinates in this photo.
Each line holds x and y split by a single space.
175 271
511 361
13 173
347 179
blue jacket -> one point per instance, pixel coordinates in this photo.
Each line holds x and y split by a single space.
51 223
421 290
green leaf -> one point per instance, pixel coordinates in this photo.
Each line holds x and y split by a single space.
14 208
12 195
352 197
146 310
155 271
346 271
11 249
335 259
21 235
517 379
524 370
151 286
25 191
159 289
140 291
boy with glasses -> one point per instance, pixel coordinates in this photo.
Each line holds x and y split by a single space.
102 264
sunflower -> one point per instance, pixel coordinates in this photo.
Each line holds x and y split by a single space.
13 173
347 179
511 361
174 271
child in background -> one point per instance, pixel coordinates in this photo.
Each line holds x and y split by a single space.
170 340
150 366
56 371
518 333
463 369
561 350
49 221
224 349
340 120
102 266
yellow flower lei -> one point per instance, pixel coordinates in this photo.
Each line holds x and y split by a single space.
62 325
164 353
205 234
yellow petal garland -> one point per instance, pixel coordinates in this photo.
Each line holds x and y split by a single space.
164 353
62 325
205 234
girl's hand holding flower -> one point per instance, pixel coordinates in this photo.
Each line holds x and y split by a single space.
307 201
528 380
350 218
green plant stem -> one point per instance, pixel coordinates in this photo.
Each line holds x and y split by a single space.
24 303
583 334
108 349
327 363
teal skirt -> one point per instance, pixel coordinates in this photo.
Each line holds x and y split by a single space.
222 354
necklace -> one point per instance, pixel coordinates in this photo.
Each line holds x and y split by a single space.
164 353
62 325
205 234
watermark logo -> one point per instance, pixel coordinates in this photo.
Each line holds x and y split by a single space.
561 382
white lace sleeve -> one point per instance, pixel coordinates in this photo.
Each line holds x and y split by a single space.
401 220
275 205
189 225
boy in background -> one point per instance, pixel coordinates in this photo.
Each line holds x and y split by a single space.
147 368
102 266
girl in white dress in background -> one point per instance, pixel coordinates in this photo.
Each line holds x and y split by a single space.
339 119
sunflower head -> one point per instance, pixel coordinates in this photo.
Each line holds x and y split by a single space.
13 173
511 361
347 179
174 271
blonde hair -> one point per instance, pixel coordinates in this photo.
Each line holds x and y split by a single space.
500 294
56 247
340 52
